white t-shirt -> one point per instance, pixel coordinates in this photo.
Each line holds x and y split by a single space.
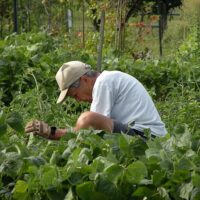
123 98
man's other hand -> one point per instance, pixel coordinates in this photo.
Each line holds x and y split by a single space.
38 128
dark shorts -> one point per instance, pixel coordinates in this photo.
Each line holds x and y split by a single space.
119 127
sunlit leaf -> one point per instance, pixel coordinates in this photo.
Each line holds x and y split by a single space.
20 190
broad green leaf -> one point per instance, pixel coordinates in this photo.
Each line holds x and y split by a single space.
31 139
86 191
76 178
179 129
56 194
20 190
114 173
32 169
166 164
85 155
158 177
195 194
138 148
2 156
63 173
185 190
3 129
69 195
100 163
49 177
15 121
111 157
185 140
142 192
153 163
184 164
135 172
66 153
77 172
152 152
3 125
36 160
180 176
95 143
195 145
75 154
11 165
163 193
196 180
123 144
33 47
106 187
54 157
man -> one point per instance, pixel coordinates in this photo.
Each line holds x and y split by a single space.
119 103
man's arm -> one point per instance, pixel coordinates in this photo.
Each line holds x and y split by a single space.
86 120
44 130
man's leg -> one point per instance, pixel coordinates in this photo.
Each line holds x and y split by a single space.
94 120
100 122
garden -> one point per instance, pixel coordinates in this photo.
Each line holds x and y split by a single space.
88 165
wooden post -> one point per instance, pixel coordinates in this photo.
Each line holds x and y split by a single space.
117 27
160 30
29 15
160 35
101 40
120 27
15 20
83 24
123 25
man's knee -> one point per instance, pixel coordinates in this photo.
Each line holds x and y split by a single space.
94 120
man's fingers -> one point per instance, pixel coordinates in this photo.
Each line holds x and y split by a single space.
32 124
29 126
30 129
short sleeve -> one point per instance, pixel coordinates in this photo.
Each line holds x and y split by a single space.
103 98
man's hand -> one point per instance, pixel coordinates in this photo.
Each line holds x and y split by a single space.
38 128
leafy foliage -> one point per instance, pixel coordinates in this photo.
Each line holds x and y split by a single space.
39 55
89 165
167 165
137 6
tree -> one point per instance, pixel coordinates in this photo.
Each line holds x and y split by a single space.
134 7
5 7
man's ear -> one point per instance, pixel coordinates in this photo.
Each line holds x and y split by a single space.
84 78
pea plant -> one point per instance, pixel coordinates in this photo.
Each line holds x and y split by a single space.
90 165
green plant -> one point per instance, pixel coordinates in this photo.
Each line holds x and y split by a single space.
88 164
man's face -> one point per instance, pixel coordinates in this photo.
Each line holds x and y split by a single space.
83 92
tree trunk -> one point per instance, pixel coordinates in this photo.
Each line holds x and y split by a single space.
83 23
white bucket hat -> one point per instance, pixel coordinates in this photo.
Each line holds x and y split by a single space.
69 73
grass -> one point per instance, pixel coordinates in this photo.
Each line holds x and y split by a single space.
179 27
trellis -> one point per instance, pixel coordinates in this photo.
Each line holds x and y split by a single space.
120 26
121 18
